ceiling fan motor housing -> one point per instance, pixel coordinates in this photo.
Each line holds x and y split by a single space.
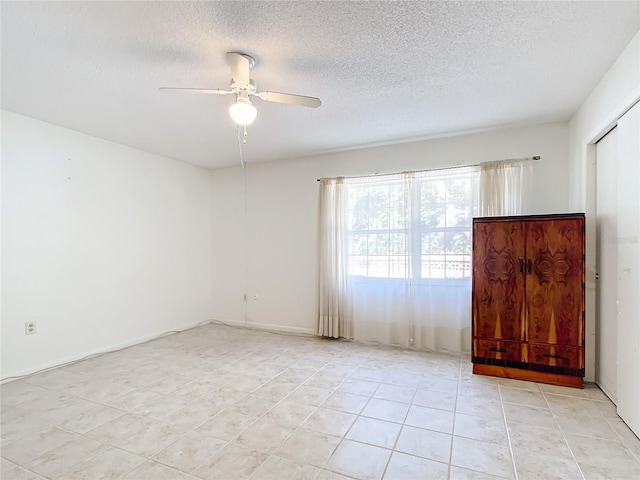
236 87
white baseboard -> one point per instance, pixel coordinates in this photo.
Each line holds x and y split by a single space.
267 327
107 349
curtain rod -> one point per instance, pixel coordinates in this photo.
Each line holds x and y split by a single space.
535 158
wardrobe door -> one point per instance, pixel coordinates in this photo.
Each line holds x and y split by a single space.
555 278
498 281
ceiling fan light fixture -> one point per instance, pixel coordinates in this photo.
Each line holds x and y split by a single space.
243 112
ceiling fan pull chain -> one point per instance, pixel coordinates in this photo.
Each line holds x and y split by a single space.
244 140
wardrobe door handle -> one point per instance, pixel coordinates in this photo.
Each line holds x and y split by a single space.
548 355
499 350
529 264
522 265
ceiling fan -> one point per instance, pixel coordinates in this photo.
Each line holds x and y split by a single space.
242 111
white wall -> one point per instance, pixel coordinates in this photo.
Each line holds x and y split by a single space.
618 90
280 231
102 245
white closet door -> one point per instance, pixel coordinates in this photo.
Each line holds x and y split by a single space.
628 240
606 265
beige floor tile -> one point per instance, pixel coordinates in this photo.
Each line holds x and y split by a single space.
189 451
264 435
606 408
59 460
42 404
154 471
375 432
459 473
523 397
521 384
346 402
587 426
11 471
162 408
564 405
232 462
534 466
435 399
480 391
192 391
439 384
545 441
540 417
99 391
329 475
65 411
479 406
597 451
195 413
295 376
492 430
358 460
90 419
247 383
402 467
310 395
560 390
482 457
386 410
136 400
626 435
358 387
185 396
56 379
594 393
424 443
19 391
27 449
275 389
17 427
290 413
278 468
403 379
331 422
168 384
430 419
253 405
395 393
111 463
328 381
226 425
149 441
120 429
618 471
308 447
369 374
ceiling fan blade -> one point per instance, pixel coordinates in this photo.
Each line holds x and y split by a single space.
290 98
240 65
208 91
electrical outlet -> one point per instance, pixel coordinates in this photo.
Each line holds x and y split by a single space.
29 328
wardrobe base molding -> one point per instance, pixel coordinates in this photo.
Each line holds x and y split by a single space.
528 375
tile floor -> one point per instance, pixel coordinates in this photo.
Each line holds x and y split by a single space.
216 402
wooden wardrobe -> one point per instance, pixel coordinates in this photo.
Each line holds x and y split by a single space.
528 298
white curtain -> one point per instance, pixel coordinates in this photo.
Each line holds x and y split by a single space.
334 309
395 251
505 187
416 291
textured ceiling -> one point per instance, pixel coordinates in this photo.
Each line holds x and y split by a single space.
386 71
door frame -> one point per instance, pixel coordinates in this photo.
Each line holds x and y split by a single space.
589 146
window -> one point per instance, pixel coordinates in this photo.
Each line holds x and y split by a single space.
412 226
